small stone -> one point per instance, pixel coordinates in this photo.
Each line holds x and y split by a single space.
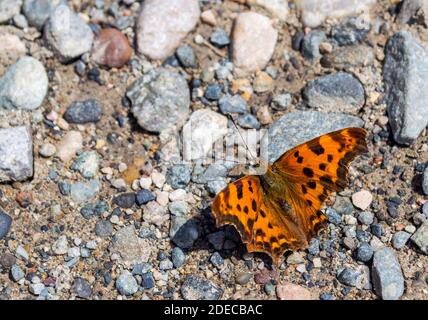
387 276
350 31
68 40
281 101
425 181
158 179
208 17
278 8
87 164
232 104
24 85
362 199
365 252
216 239
196 288
399 239
12 48
178 257
248 121
366 218
405 77
213 92
103 228
166 265
349 277
420 237
333 216
311 44
81 288
254 40
243 278
295 258
126 284
263 82
144 196
17 273
38 11
60 246
7 260
184 232
179 208
201 131
111 48
131 248
220 38
291 291
186 55
160 99
125 200
147 280
47 150
83 111
69 145
178 176
334 92
217 260
156 214
347 57
5 224
163 24
36 288
82 192
8 9
21 253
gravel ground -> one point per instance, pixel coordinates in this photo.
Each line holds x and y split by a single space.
95 202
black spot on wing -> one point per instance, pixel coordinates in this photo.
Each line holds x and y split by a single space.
316 147
239 192
312 184
254 205
308 172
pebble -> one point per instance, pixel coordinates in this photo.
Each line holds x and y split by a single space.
349 277
243 278
84 191
232 104
262 82
47 150
333 216
334 92
126 284
7 260
278 8
253 42
209 17
248 121
38 11
178 257
158 178
350 31
291 291
406 79
179 208
184 232
178 176
197 288
144 196
295 258
5 224
70 143
111 48
217 260
412 11
365 252
281 101
201 131
216 239
87 163
160 99
24 85
60 246
186 55
297 127
17 273
36 288
348 57
399 239
362 199
220 38
311 44
21 253
125 200
81 288
83 111
213 92
425 181
147 280
314 13
103 228
68 40
366 217
131 248
387 276
420 237
162 25
166 265
8 9
12 48
154 213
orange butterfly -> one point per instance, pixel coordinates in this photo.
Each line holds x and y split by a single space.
280 210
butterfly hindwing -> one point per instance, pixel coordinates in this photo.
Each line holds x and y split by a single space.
315 169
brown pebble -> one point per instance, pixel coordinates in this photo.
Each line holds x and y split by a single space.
264 276
111 48
24 199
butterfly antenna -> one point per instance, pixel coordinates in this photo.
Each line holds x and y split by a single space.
243 140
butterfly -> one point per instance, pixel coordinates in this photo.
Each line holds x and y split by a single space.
281 209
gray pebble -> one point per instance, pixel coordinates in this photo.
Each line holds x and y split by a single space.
5 224
186 56
126 284
232 104
103 228
81 288
399 239
178 257
197 288
83 111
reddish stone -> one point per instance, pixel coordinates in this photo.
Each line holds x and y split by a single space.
24 199
264 276
290 291
111 48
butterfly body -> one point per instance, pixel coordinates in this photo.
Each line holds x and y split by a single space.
280 210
